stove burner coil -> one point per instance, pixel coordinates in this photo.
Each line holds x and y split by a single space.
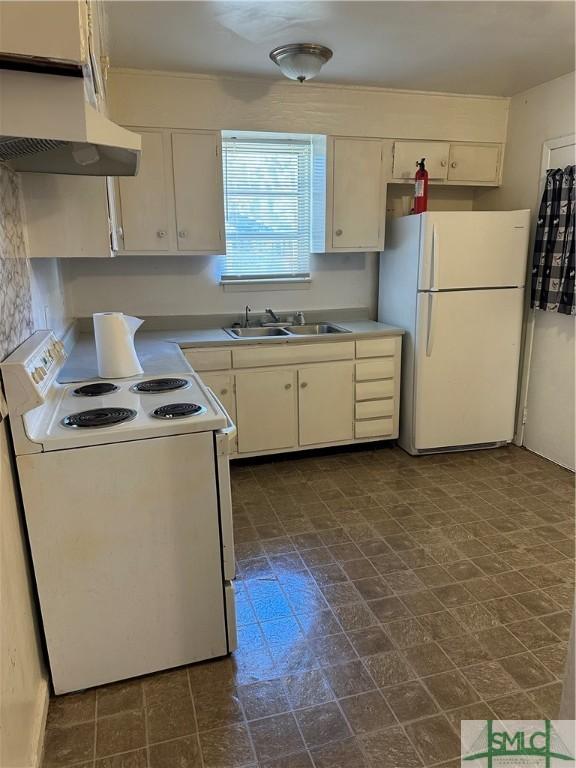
152 386
96 389
177 411
98 417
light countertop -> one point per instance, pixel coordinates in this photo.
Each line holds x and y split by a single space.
160 351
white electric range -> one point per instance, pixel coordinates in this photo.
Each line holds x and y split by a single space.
126 491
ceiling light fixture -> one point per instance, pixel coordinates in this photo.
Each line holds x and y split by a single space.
301 61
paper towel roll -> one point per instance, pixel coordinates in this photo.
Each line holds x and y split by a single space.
114 334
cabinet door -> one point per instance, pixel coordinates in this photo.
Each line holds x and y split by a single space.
326 403
266 410
358 195
474 162
144 199
408 153
222 384
66 216
198 191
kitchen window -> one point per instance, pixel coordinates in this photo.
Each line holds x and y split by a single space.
267 207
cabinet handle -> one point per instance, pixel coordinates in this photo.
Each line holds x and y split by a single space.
303 385
224 392
443 163
182 233
338 232
287 386
161 233
454 164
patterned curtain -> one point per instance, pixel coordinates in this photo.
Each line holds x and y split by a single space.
553 264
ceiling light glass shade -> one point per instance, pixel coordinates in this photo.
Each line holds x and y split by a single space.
301 61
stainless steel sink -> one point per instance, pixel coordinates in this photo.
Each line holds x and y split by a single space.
317 329
255 333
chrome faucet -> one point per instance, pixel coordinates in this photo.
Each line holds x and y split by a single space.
272 314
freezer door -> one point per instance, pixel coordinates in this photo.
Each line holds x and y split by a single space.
479 249
466 374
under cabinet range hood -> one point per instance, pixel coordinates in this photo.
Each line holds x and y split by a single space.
47 126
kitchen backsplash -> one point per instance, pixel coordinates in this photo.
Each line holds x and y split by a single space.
31 293
16 317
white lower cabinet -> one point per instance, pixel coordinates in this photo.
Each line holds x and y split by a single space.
266 410
289 396
222 384
326 403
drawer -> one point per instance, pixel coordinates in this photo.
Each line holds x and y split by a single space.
291 354
374 390
374 409
209 359
374 428
376 347
375 369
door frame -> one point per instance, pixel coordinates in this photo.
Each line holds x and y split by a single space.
528 342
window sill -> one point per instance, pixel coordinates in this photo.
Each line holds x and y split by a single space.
272 284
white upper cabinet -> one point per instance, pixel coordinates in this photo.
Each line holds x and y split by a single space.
198 191
349 195
55 29
146 223
408 153
449 163
175 205
65 216
474 162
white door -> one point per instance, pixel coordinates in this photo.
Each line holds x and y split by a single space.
326 403
358 202
474 162
467 351
408 153
66 216
126 556
222 384
266 410
198 191
479 249
147 221
549 429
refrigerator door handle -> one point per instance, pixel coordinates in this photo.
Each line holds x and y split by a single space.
430 324
434 259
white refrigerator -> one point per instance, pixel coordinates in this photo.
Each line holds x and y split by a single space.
455 282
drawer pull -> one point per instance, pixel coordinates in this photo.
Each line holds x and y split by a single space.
303 385
287 386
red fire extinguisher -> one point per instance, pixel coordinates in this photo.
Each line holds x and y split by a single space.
421 188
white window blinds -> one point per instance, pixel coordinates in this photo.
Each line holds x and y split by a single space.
267 205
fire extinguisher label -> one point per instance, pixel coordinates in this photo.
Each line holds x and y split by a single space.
419 188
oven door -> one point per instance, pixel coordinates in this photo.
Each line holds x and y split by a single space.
224 446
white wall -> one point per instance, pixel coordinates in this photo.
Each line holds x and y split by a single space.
183 286
541 113
179 285
23 680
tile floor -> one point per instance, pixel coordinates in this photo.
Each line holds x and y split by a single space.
381 598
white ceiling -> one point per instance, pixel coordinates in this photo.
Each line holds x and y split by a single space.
497 48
